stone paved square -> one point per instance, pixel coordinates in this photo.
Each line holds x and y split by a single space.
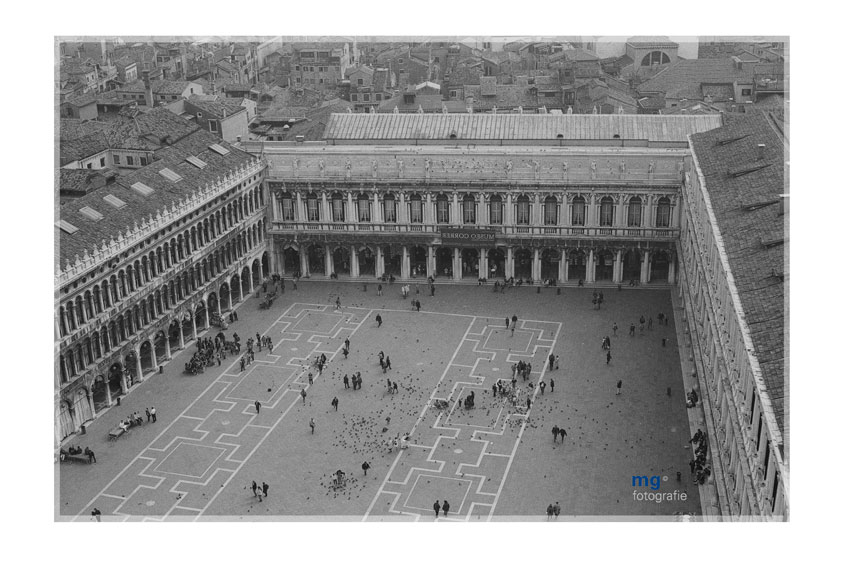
494 461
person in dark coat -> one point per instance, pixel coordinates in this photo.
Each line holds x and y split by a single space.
445 508
437 507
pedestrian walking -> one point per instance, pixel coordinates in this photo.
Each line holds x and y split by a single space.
96 514
153 415
303 396
556 509
365 466
310 376
345 381
614 328
563 433
632 329
389 365
418 305
379 320
507 322
551 361
619 386
608 358
347 344
148 414
542 387
254 487
257 405
345 353
528 403
380 290
241 364
555 431
552 384
395 388
338 304
649 323
432 289
312 426
90 454
265 489
549 511
335 403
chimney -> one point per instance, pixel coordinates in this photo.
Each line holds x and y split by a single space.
761 152
146 78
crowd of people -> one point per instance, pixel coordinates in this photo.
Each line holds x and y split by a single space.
699 465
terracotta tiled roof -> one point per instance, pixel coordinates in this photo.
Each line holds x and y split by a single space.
738 180
165 192
691 73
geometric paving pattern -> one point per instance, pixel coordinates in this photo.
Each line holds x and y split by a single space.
188 464
460 455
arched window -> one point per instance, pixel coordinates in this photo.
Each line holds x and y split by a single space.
389 208
523 210
364 212
579 211
655 57
550 211
496 207
312 207
606 212
442 206
468 209
287 207
338 207
634 211
662 214
415 205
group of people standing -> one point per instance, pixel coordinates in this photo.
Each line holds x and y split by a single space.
699 466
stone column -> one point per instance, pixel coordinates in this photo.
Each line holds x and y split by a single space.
379 261
483 269
324 216
329 262
355 263
456 218
457 269
154 362
482 217
535 265
588 268
644 268
352 209
562 267
430 264
100 299
305 262
401 212
671 271
508 218
195 325
674 212
376 210
535 211
405 263
241 294
618 267
299 210
139 362
509 262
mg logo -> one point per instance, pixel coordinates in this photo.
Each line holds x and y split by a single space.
653 482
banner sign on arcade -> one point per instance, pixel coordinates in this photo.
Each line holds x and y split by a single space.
467 236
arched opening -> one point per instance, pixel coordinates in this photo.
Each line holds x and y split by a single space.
418 261
550 263
366 262
187 326
146 356
255 273
469 263
224 298
522 263
264 261
605 265
577 261
445 262
631 265
99 393
174 335
235 289
342 261
246 280
159 347
662 213
81 408
579 212
133 376
116 372
392 260
496 262
66 419
316 255
654 58
659 267
291 262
